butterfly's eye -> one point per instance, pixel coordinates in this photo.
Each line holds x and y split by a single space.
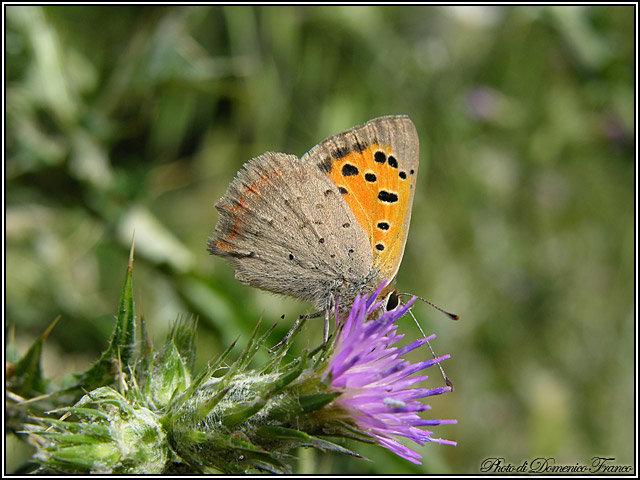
392 301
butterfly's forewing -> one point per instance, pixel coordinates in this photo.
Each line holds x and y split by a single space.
285 228
375 167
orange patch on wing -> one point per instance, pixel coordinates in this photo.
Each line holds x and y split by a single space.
376 194
225 244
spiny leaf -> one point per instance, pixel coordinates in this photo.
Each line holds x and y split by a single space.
143 365
253 346
238 414
183 336
345 430
93 429
251 452
88 412
122 346
210 404
71 438
225 442
285 379
124 338
27 380
310 403
269 468
284 349
269 432
195 384
83 456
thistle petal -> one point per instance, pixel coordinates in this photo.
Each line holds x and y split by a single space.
375 380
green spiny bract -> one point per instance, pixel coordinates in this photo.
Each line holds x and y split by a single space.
141 410
108 434
249 419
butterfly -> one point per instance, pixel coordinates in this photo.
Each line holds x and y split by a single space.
329 225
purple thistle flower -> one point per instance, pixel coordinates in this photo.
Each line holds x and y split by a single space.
375 381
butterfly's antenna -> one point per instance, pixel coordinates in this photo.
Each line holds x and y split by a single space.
452 316
444 375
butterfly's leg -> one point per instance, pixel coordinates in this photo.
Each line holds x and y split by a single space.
295 326
333 304
326 326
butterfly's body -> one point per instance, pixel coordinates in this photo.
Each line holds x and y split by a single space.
329 225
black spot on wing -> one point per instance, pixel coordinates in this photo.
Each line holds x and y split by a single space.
349 170
387 197
380 157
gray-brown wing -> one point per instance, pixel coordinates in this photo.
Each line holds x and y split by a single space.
285 228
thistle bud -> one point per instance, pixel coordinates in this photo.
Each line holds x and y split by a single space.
103 433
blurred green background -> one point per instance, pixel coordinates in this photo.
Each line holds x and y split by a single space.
123 118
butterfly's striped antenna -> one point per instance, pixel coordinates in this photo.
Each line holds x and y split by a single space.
444 375
452 316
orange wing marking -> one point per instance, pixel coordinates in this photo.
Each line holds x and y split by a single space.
225 244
